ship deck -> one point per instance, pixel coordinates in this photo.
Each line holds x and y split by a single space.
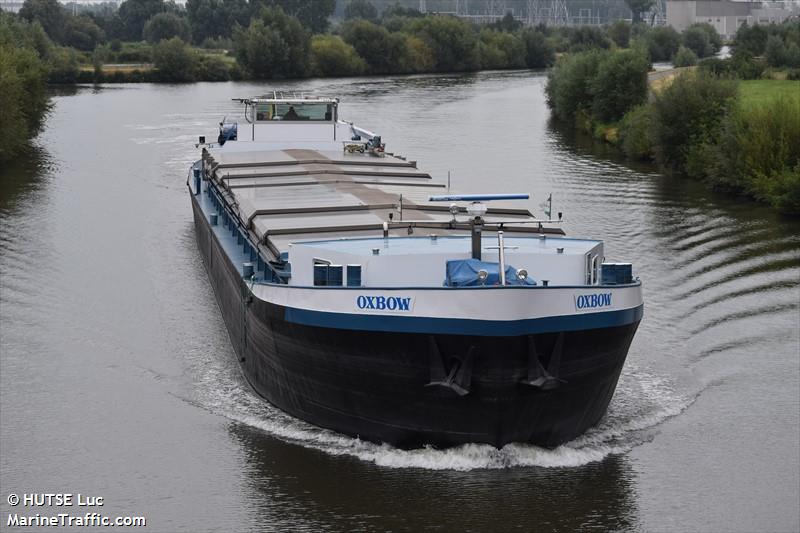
292 195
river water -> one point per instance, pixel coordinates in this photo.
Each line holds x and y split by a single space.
117 377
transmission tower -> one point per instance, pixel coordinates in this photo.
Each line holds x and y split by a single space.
548 12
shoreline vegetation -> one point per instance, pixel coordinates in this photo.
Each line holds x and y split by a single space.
728 122
732 123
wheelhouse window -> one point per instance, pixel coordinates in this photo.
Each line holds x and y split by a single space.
294 111
327 275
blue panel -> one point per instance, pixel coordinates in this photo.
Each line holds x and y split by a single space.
320 275
616 273
455 326
335 275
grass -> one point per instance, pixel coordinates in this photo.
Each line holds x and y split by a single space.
756 92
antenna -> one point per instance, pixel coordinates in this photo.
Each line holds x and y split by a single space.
448 182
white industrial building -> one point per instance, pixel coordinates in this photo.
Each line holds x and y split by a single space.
727 15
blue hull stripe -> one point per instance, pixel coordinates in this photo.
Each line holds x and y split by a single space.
457 326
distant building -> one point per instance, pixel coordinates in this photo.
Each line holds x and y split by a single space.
12 6
727 15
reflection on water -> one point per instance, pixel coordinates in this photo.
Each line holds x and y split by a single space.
113 344
319 492
23 175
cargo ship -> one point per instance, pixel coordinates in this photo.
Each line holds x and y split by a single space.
363 296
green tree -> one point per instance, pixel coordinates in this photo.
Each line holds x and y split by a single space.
620 33
539 53
83 33
775 51
507 24
375 44
49 14
175 61
360 9
697 40
452 40
275 45
135 13
24 103
312 14
639 7
213 19
331 56
587 38
750 40
619 85
418 56
569 87
500 50
163 26
662 43
396 10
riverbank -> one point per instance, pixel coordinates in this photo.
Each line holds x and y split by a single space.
740 136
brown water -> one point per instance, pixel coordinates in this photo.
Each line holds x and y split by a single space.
117 377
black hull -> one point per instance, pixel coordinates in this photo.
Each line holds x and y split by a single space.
377 385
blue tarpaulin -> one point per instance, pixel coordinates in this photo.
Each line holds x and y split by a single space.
464 273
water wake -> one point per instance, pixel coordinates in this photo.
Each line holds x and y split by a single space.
641 403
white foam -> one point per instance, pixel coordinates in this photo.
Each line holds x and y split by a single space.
642 401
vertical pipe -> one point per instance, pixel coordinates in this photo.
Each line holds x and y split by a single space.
502 253
476 239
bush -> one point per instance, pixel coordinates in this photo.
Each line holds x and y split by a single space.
758 153
539 53
687 116
275 45
212 68
64 65
569 84
619 85
175 61
634 133
718 67
331 56
684 58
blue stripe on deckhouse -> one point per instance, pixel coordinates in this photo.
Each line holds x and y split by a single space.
458 326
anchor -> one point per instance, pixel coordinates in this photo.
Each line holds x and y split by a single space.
538 376
458 378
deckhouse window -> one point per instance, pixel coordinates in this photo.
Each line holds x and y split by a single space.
294 111
327 275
